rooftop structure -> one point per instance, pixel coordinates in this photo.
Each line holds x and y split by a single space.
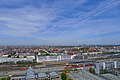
30 74
54 76
111 76
84 75
42 76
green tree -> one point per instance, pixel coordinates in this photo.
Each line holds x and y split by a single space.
18 56
105 70
76 69
25 56
9 56
24 62
6 78
34 61
63 76
92 70
13 53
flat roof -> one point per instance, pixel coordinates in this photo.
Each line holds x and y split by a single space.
111 76
84 75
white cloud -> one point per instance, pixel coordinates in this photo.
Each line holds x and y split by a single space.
29 20
103 7
46 22
25 21
76 25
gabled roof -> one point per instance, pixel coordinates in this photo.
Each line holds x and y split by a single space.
42 75
52 74
30 73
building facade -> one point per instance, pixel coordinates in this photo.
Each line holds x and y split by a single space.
108 65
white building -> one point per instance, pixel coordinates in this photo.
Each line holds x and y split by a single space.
108 65
58 57
15 59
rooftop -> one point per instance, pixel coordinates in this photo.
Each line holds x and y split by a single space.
111 76
42 75
84 75
52 74
30 74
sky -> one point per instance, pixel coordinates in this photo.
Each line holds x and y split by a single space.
59 22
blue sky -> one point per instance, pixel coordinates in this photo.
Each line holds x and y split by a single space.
59 22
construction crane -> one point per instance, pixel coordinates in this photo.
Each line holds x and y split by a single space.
67 69
67 72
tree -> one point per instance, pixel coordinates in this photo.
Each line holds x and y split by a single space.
24 62
34 60
92 70
25 56
76 69
63 76
18 56
6 78
13 53
9 56
105 70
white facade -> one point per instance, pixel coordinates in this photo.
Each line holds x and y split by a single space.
106 65
59 57
15 59
97 68
93 53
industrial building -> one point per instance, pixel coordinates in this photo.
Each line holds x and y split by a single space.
32 75
84 75
108 65
109 76
15 59
58 57
116 72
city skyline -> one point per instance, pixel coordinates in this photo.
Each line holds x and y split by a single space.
58 22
